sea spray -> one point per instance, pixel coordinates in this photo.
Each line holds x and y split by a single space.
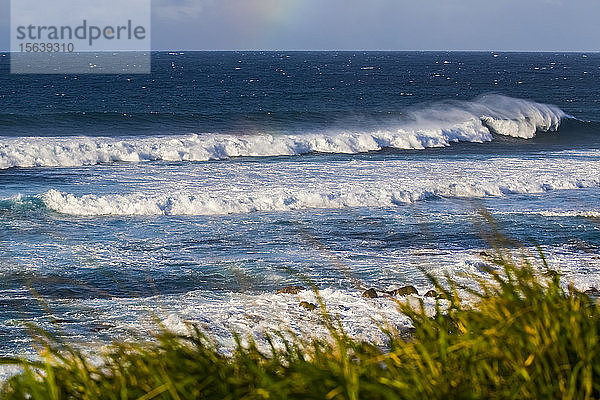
436 125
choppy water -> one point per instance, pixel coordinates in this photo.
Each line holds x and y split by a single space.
196 192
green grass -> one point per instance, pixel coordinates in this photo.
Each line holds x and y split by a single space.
520 336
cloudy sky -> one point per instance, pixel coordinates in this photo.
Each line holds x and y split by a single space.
524 25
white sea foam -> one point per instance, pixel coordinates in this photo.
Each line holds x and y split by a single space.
555 213
252 314
280 199
570 214
432 126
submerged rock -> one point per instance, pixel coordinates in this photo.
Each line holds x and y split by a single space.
592 292
308 306
291 290
99 327
406 334
404 291
431 293
63 321
370 294
551 274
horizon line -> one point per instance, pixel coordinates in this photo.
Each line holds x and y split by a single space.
320 51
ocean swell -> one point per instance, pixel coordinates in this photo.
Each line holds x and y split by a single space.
432 126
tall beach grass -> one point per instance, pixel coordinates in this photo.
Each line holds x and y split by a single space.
523 334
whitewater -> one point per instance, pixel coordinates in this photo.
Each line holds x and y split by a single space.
281 186
423 127
196 193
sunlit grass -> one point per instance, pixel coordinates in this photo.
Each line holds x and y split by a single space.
522 334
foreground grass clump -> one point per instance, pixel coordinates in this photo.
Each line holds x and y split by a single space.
521 336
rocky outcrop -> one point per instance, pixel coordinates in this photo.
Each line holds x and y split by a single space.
100 327
308 306
404 291
370 294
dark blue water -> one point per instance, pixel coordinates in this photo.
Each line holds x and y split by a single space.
245 92
194 193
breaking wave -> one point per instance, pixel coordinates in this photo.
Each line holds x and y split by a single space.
570 214
281 200
436 125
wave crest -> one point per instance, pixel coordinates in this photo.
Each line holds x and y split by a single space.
282 200
516 117
433 126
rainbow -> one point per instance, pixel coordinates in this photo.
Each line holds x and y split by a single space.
263 20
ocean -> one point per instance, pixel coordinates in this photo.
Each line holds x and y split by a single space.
194 193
